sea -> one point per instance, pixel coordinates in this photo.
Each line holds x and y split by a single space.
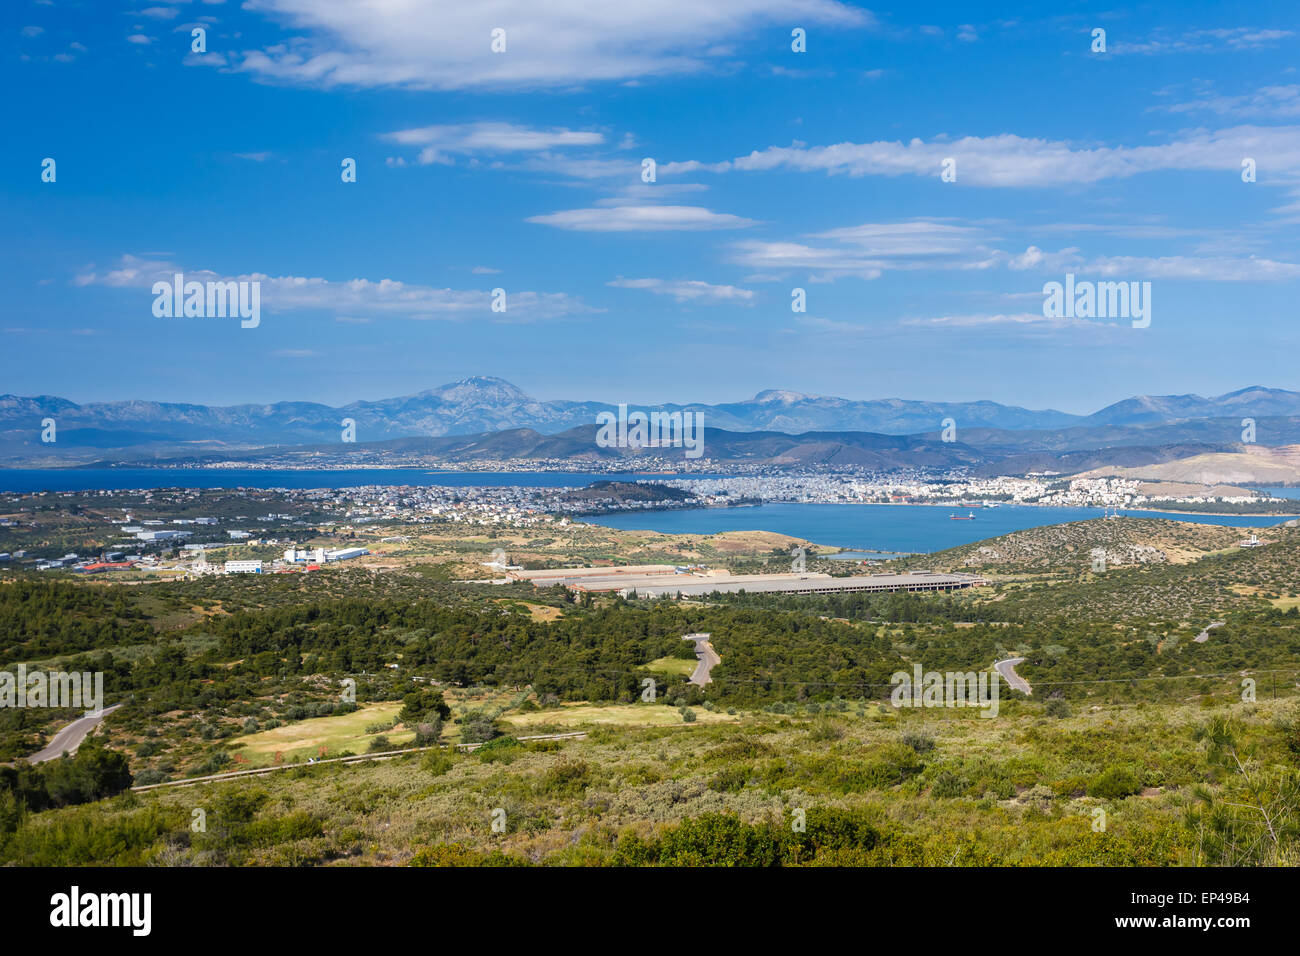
874 530
891 528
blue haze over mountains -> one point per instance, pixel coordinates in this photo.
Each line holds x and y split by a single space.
510 423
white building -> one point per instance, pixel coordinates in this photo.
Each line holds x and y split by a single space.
297 556
243 567
343 554
161 535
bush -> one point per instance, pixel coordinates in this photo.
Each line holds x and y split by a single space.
831 836
567 778
427 732
919 742
438 763
730 780
948 784
1057 707
824 730
456 854
476 727
1114 784
500 750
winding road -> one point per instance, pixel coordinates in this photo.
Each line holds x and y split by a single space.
707 656
1007 668
70 737
1205 634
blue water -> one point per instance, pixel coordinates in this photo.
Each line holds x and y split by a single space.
920 528
888 527
119 479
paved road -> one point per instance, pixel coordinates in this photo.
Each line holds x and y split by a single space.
1007 669
707 656
1205 634
70 737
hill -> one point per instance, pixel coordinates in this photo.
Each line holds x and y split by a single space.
1252 465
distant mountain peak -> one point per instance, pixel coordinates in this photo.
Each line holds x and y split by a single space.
479 387
483 404
783 396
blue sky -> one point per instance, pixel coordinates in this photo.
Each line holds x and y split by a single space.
522 170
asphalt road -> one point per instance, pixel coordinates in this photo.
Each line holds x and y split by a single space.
707 656
1007 669
1205 634
70 737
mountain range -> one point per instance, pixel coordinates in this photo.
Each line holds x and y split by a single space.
482 406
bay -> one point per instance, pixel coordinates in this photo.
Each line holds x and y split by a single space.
920 528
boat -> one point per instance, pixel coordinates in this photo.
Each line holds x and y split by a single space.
969 517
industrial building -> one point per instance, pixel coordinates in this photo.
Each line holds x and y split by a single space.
243 567
695 585
343 554
161 535
571 576
303 556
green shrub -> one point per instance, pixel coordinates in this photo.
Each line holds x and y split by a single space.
1115 783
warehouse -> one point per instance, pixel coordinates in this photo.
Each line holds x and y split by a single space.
695 586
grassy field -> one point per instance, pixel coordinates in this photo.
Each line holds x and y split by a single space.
672 665
341 733
577 715
941 788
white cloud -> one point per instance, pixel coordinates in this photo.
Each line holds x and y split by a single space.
555 43
139 39
870 250
1266 101
833 325
350 297
440 142
688 290
1008 160
641 219
1215 269
1202 41
1015 320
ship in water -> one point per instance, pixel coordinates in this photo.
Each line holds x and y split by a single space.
967 517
